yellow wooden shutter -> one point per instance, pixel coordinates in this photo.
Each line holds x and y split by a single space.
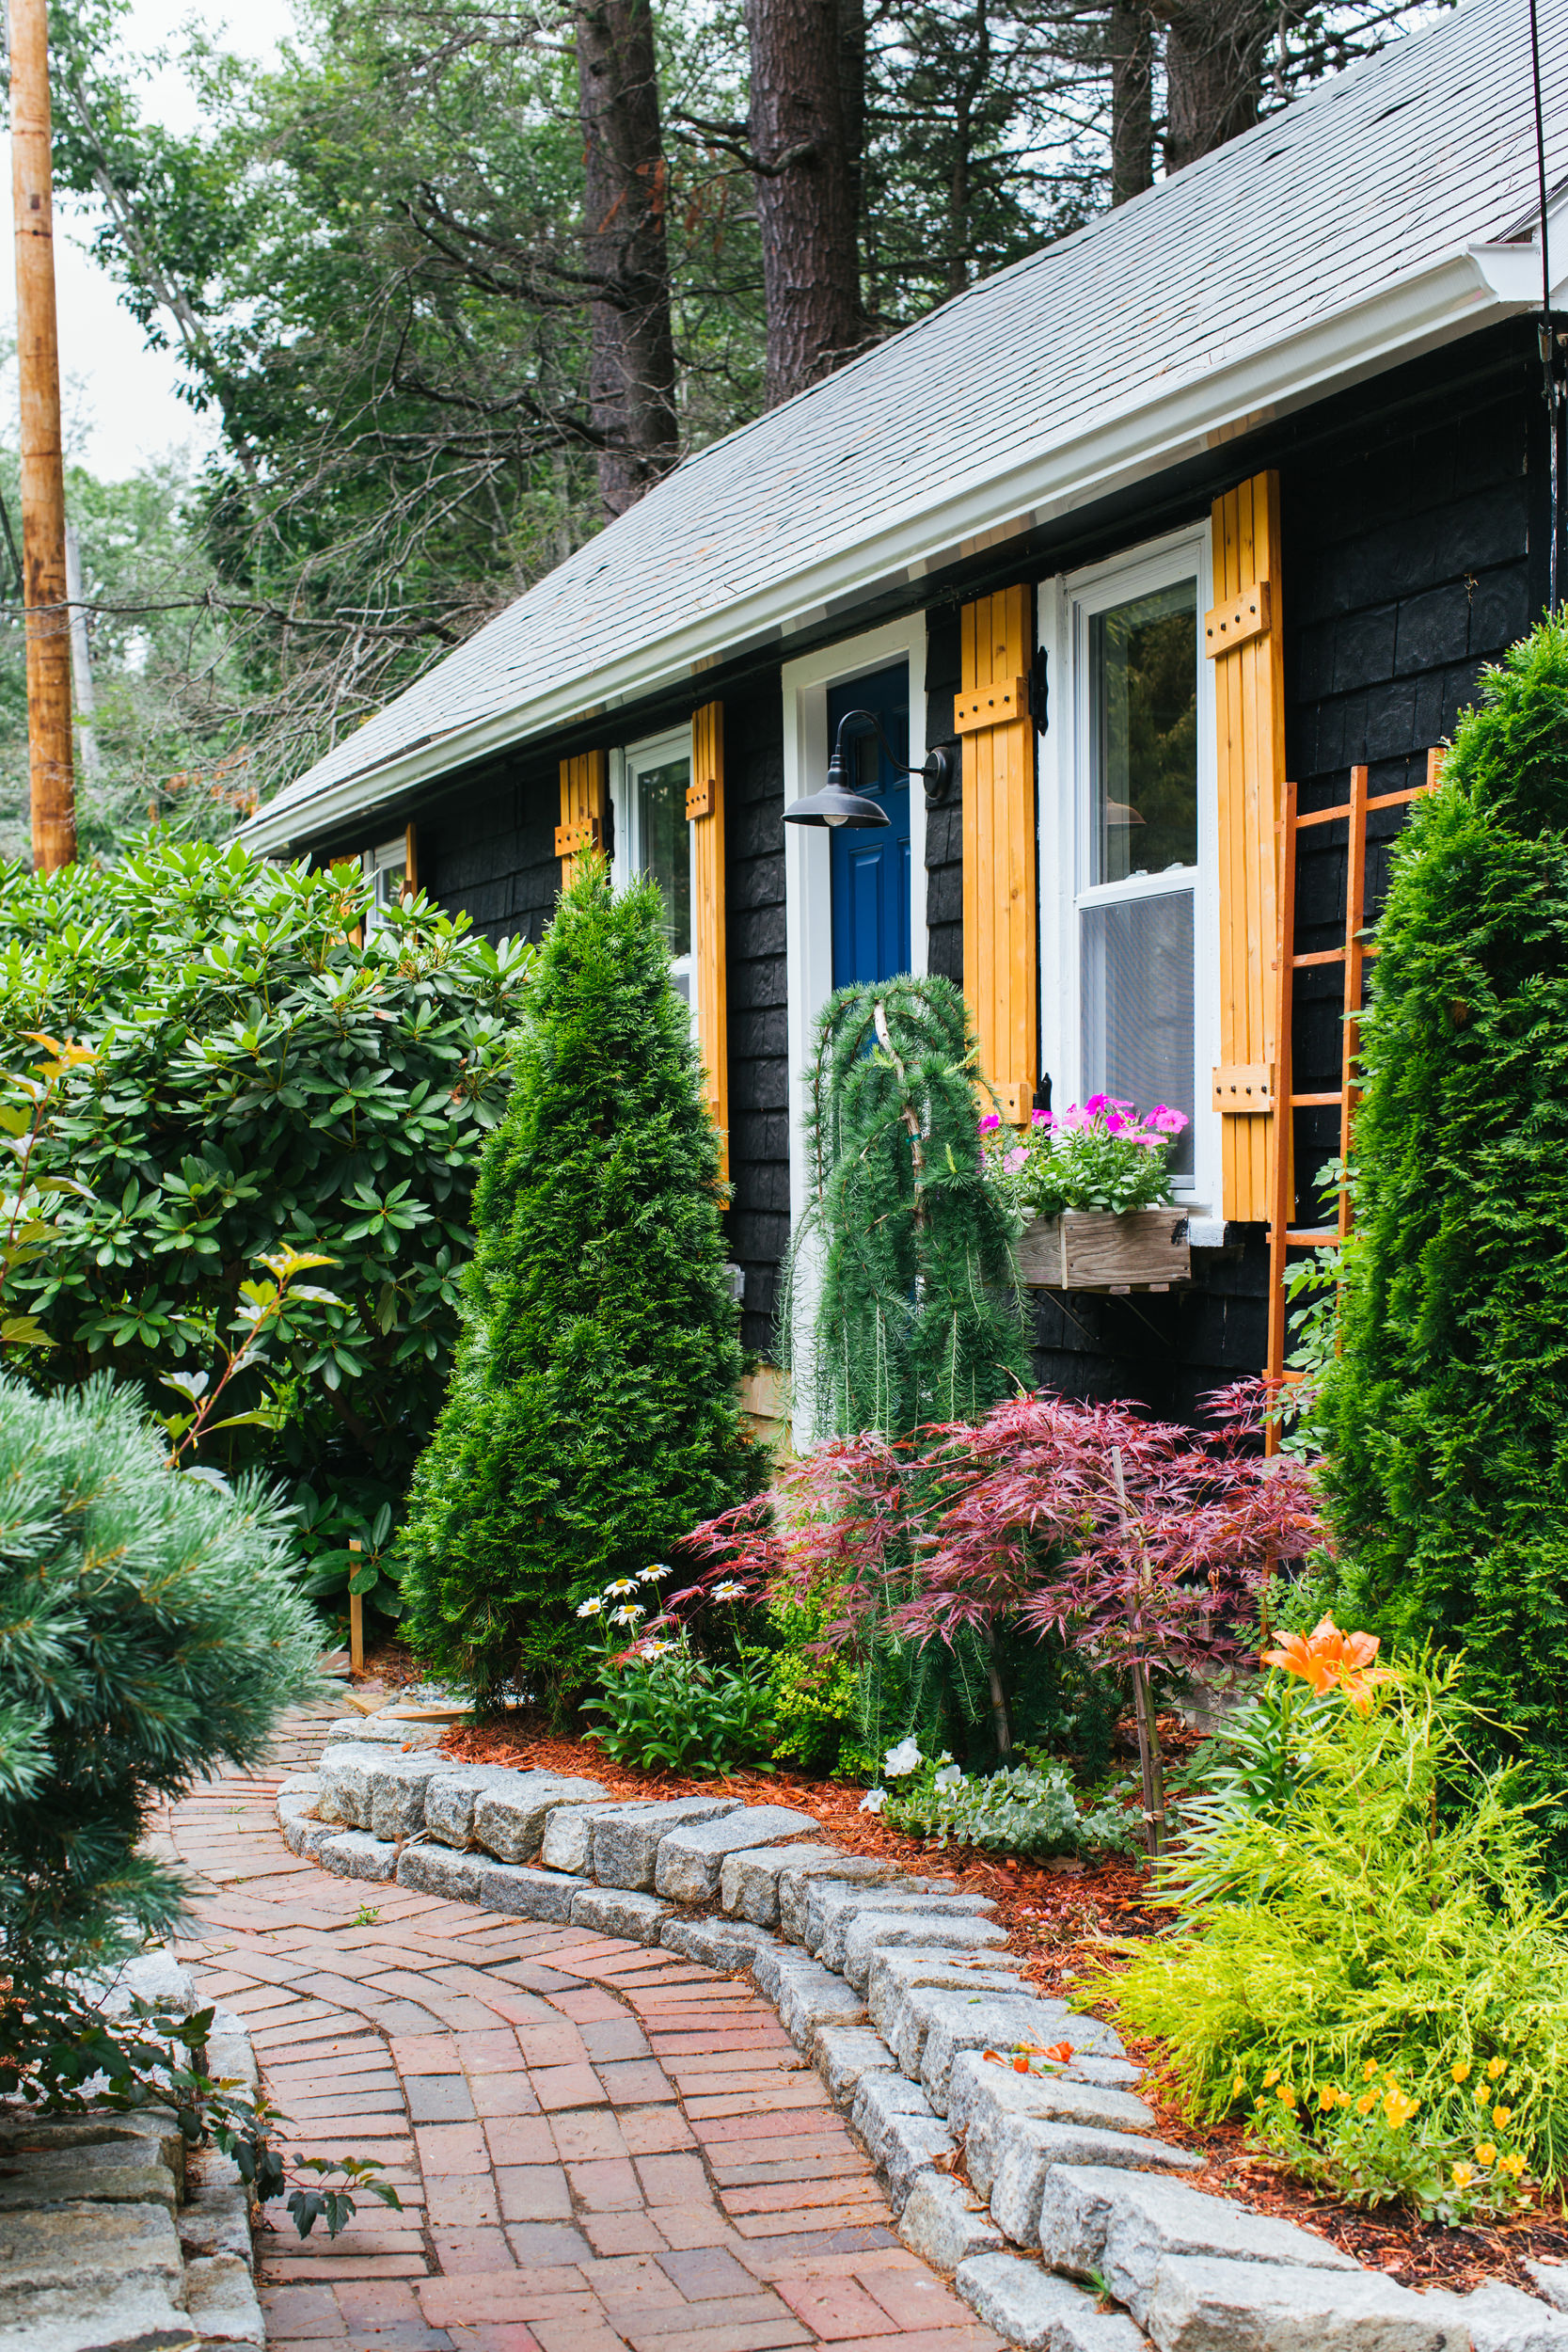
582 811
704 807
1245 641
1001 911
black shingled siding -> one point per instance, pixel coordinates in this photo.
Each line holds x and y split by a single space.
1407 556
758 996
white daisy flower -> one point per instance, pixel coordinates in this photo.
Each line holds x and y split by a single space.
627 1613
903 1759
873 1801
623 1584
651 1576
654 1649
729 1591
590 1608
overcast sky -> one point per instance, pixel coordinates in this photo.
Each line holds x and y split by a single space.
122 396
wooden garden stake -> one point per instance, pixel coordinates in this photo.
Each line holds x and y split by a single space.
1143 1699
356 1612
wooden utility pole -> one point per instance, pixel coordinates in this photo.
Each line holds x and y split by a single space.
44 592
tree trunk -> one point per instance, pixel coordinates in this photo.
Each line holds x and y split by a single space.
1215 54
806 185
1131 41
626 250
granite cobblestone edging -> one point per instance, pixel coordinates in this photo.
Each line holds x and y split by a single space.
114 2236
1075 2231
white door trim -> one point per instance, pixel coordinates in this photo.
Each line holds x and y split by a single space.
808 892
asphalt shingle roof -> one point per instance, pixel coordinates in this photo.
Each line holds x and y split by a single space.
1376 175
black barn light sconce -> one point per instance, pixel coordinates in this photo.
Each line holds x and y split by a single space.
835 804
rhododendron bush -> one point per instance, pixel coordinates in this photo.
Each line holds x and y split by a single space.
1103 1155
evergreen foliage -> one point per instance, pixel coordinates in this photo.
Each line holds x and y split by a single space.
260 1077
592 1416
902 1263
1374 1919
147 1630
1445 1417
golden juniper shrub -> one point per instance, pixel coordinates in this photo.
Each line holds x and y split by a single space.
1376 1929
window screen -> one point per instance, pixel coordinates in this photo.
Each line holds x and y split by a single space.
1135 991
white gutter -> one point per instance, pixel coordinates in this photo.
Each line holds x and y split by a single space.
1474 286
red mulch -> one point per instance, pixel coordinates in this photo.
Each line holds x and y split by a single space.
1059 1916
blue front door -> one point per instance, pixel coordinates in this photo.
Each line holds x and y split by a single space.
871 867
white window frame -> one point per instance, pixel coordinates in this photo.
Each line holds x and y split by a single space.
808 871
1065 607
625 766
378 866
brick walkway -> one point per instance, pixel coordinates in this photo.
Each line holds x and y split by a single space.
596 2146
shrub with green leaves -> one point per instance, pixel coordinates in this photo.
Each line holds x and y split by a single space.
1358 1911
1446 1415
593 1415
665 1707
1027 1808
259 1080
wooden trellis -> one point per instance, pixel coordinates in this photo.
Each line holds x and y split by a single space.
1352 959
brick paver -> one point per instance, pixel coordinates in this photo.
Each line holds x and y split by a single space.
596 2146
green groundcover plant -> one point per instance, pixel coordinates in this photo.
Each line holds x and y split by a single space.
593 1415
1361 1961
257 1080
1445 1417
1026 1808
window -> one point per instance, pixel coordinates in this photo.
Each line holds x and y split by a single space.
653 835
386 868
1132 779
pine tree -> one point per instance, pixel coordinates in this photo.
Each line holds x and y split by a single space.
1448 1410
593 1415
147 1630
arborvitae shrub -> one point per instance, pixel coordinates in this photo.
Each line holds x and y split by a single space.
149 1628
1447 1415
593 1414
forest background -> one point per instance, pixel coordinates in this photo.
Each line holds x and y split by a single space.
457 283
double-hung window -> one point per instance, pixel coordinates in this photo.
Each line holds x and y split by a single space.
653 835
1128 812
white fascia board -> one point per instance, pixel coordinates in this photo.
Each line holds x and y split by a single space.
1470 288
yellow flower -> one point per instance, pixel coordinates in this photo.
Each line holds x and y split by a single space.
1238 2085
1365 2104
1500 2117
1495 2067
1271 2078
1514 2163
1285 2095
1483 2094
1462 2176
1328 2099
1398 2110
1486 2154
1461 2072
1369 2070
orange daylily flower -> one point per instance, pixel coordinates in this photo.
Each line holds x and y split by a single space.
1332 1660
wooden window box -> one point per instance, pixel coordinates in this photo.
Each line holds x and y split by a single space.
1091 1249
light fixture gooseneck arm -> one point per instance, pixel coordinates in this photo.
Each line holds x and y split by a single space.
936 771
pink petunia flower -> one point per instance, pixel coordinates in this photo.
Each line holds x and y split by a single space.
1014 1160
1096 1103
991 1118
